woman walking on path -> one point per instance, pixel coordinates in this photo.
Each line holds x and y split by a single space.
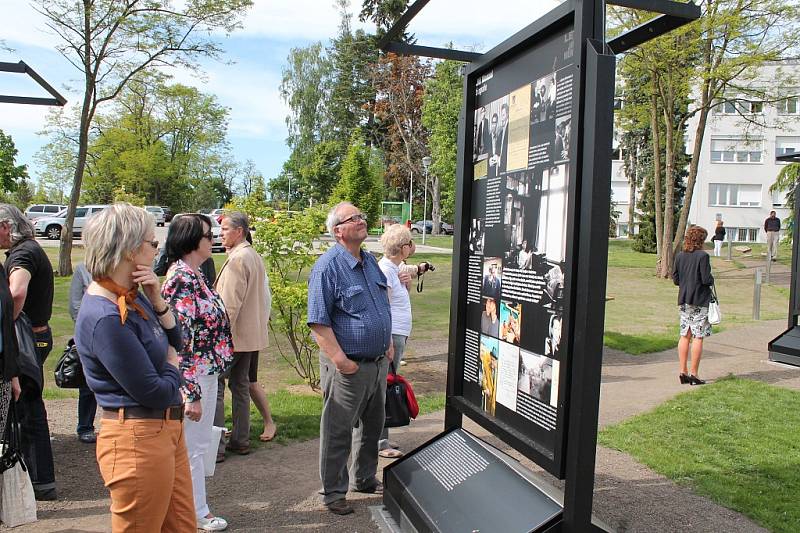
127 342
207 346
718 238
692 274
397 247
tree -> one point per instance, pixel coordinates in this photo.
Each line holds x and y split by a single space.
440 110
360 181
287 243
110 41
717 59
787 181
10 172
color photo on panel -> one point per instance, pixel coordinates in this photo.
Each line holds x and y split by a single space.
516 257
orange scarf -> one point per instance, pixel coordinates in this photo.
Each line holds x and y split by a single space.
125 298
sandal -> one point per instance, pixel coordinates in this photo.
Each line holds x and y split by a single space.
390 453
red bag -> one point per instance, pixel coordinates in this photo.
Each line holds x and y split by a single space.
401 404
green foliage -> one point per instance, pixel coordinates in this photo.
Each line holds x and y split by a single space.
786 181
10 172
287 244
640 343
121 195
440 109
734 441
360 181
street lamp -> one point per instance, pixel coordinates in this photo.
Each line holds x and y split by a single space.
426 162
411 197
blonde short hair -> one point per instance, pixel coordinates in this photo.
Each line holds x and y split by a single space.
394 238
112 235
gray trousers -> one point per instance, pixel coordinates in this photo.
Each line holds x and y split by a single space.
773 237
239 383
399 342
350 400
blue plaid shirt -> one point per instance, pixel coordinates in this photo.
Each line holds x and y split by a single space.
350 297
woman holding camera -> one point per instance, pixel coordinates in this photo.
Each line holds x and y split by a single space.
127 341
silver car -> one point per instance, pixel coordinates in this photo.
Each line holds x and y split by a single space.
157 212
51 227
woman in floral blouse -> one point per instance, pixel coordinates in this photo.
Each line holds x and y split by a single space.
207 345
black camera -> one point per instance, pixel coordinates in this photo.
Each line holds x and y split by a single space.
425 267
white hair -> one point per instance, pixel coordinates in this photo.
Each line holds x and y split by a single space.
333 219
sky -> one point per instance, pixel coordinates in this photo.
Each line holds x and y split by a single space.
247 80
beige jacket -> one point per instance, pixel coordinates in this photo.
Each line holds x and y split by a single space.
242 283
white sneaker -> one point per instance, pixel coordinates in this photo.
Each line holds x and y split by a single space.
215 523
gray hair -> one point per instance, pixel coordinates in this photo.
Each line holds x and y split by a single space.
333 219
21 227
394 238
112 235
238 220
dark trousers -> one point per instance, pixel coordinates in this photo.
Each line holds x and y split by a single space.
33 417
239 383
87 408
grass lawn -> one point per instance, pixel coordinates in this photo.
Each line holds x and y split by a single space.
438 241
734 441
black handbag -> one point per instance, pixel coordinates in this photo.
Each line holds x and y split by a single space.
69 371
397 411
12 449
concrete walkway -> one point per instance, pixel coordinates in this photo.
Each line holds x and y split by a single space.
274 488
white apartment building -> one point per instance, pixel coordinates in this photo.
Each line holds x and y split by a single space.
737 164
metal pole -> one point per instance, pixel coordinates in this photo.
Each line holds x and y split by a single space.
730 246
411 197
769 267
757 295
425 208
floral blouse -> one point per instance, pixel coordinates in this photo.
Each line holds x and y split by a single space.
207 342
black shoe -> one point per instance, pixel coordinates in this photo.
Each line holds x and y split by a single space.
694 380
88 438
340 507
45 495
684 378
377 488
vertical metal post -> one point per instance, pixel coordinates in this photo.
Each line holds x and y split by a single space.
769 267
730 246
757 295
411 197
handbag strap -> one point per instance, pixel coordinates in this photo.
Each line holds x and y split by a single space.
714 292
391 367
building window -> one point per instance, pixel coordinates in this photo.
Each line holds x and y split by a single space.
739 107
734 194
788 106
786 145
620 192
778 198
735 150
743 234
622 230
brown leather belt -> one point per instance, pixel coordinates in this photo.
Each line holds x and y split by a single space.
171 413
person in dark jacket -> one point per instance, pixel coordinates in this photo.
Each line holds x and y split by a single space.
772 227
718 238
9 363
692 275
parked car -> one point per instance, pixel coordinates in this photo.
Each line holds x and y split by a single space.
43 210
216 231
216 214
157 213
51 227
444 227
167 214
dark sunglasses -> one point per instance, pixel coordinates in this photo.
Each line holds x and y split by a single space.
154 244
209 235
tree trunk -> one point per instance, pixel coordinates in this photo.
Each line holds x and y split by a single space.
436 211
665 270
632 193
656 141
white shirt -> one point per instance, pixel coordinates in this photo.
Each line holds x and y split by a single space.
399 299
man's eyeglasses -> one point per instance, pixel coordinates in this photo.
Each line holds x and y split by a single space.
154 244
409 243
359 217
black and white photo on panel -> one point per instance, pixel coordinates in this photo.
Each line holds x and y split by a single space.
498 135
476 237
490 318
537 377
562 139
480 135
544 96
551 236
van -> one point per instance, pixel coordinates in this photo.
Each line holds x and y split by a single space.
51 227
43 210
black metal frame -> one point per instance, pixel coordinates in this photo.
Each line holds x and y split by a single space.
23 68
587 226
